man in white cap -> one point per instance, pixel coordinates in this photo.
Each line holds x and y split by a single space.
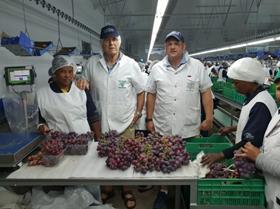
174 88
258 108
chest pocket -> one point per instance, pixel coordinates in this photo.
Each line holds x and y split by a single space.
192 86
122 84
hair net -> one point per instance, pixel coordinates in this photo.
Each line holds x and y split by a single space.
62 61
247 69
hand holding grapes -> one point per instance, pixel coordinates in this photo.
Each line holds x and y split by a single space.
211 158
250 151
226 130
43 129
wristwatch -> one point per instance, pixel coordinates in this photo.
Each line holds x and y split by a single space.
148 120
139 114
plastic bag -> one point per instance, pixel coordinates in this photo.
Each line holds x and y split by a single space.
21 111
201 170
71 198
8 197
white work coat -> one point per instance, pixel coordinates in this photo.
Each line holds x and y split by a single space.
220 75
271 143
115 92
65 112
177 106
263 97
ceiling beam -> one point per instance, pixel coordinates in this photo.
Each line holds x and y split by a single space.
182 14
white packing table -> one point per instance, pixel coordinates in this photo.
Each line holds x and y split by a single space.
91 169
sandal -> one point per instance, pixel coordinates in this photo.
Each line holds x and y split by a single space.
105 196
128 197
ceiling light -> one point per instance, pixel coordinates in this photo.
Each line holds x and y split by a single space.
267 40
240 45
161 7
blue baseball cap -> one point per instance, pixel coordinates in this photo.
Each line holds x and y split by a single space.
175 34
108 30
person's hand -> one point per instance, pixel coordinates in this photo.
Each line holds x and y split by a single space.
82 84
43 129
225 130
150 126
249 151
211 158
136 117
206 125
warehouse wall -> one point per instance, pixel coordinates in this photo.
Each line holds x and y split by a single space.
42 26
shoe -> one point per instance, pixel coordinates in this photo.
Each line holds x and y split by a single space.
128 197
105 196
161 201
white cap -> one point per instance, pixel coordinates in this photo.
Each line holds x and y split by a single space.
61 61
247 69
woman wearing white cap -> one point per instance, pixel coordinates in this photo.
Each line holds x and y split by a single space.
258 108
63 107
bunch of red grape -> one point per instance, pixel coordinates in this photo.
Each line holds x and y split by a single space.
220 170
106 143
151 153
52 147
245 167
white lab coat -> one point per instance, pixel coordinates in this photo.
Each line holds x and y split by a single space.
177 105
263 97
271 144
220 75
65 112
115 92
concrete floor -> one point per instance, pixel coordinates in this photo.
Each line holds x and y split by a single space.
144 200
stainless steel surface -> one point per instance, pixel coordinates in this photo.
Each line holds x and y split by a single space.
231 103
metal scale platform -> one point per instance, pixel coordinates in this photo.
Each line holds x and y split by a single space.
14 147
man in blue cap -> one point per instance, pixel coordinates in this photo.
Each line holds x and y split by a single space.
117 85
174 88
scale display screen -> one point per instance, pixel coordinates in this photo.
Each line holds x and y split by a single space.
21 75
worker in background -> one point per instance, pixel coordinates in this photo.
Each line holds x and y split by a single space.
257 110
63 107
222 72
173 97
116 82
267 158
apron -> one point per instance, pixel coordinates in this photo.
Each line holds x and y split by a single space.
263 97
65 112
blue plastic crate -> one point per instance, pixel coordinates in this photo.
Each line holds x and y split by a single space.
42 47
20 45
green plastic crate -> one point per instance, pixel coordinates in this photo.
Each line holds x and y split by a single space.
233 192
211 144
218 86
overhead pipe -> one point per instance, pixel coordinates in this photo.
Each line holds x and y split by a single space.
66 17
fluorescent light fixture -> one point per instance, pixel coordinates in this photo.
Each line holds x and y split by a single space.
237 46
267 40
277 38
240 45
161 7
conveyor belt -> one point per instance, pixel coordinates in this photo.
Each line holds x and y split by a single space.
228 101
